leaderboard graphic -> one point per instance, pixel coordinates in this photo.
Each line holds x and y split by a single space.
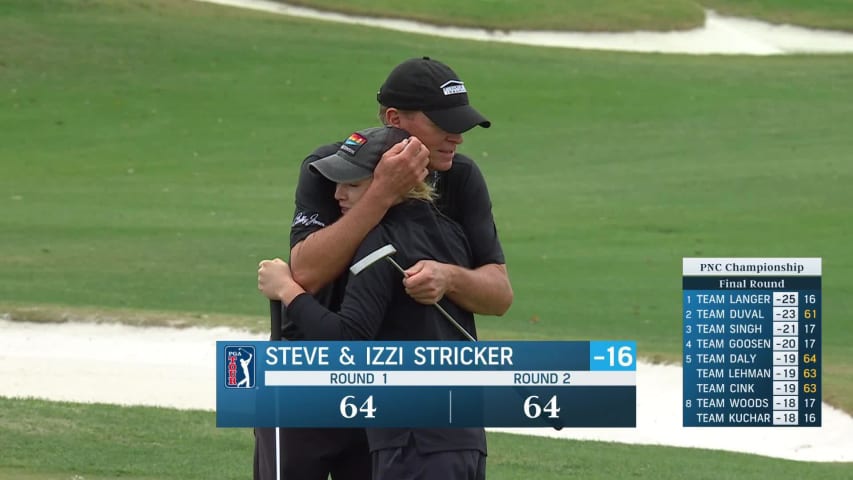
752 342
426 384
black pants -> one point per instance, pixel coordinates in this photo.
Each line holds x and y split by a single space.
406 463
313 454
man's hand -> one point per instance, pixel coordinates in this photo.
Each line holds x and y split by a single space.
484 290
401 168
427 281
276 282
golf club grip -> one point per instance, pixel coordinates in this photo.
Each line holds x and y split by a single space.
275 319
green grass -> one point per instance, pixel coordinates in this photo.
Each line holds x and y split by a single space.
145 180
150 150
108 441
56 440
598 16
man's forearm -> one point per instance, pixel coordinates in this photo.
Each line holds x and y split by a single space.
326 253
485 290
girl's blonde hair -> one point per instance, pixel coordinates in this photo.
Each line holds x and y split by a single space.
422 191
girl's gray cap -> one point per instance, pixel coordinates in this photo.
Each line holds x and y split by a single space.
358 155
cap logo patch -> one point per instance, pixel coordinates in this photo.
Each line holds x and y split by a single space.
355 140
452 87
353 143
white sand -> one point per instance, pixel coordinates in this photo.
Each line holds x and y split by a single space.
720 34
126 365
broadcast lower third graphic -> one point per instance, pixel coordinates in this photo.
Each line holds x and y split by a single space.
428 384
244 376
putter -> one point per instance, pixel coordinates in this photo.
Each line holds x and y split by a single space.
275 335
386 252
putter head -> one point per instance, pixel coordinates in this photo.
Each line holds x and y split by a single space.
372 258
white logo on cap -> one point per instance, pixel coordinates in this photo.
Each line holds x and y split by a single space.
452 87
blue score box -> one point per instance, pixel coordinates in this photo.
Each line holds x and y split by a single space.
752 342
426 384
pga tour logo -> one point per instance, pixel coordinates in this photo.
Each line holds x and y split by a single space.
239 366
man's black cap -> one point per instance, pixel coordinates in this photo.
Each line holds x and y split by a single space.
433 88
357 157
